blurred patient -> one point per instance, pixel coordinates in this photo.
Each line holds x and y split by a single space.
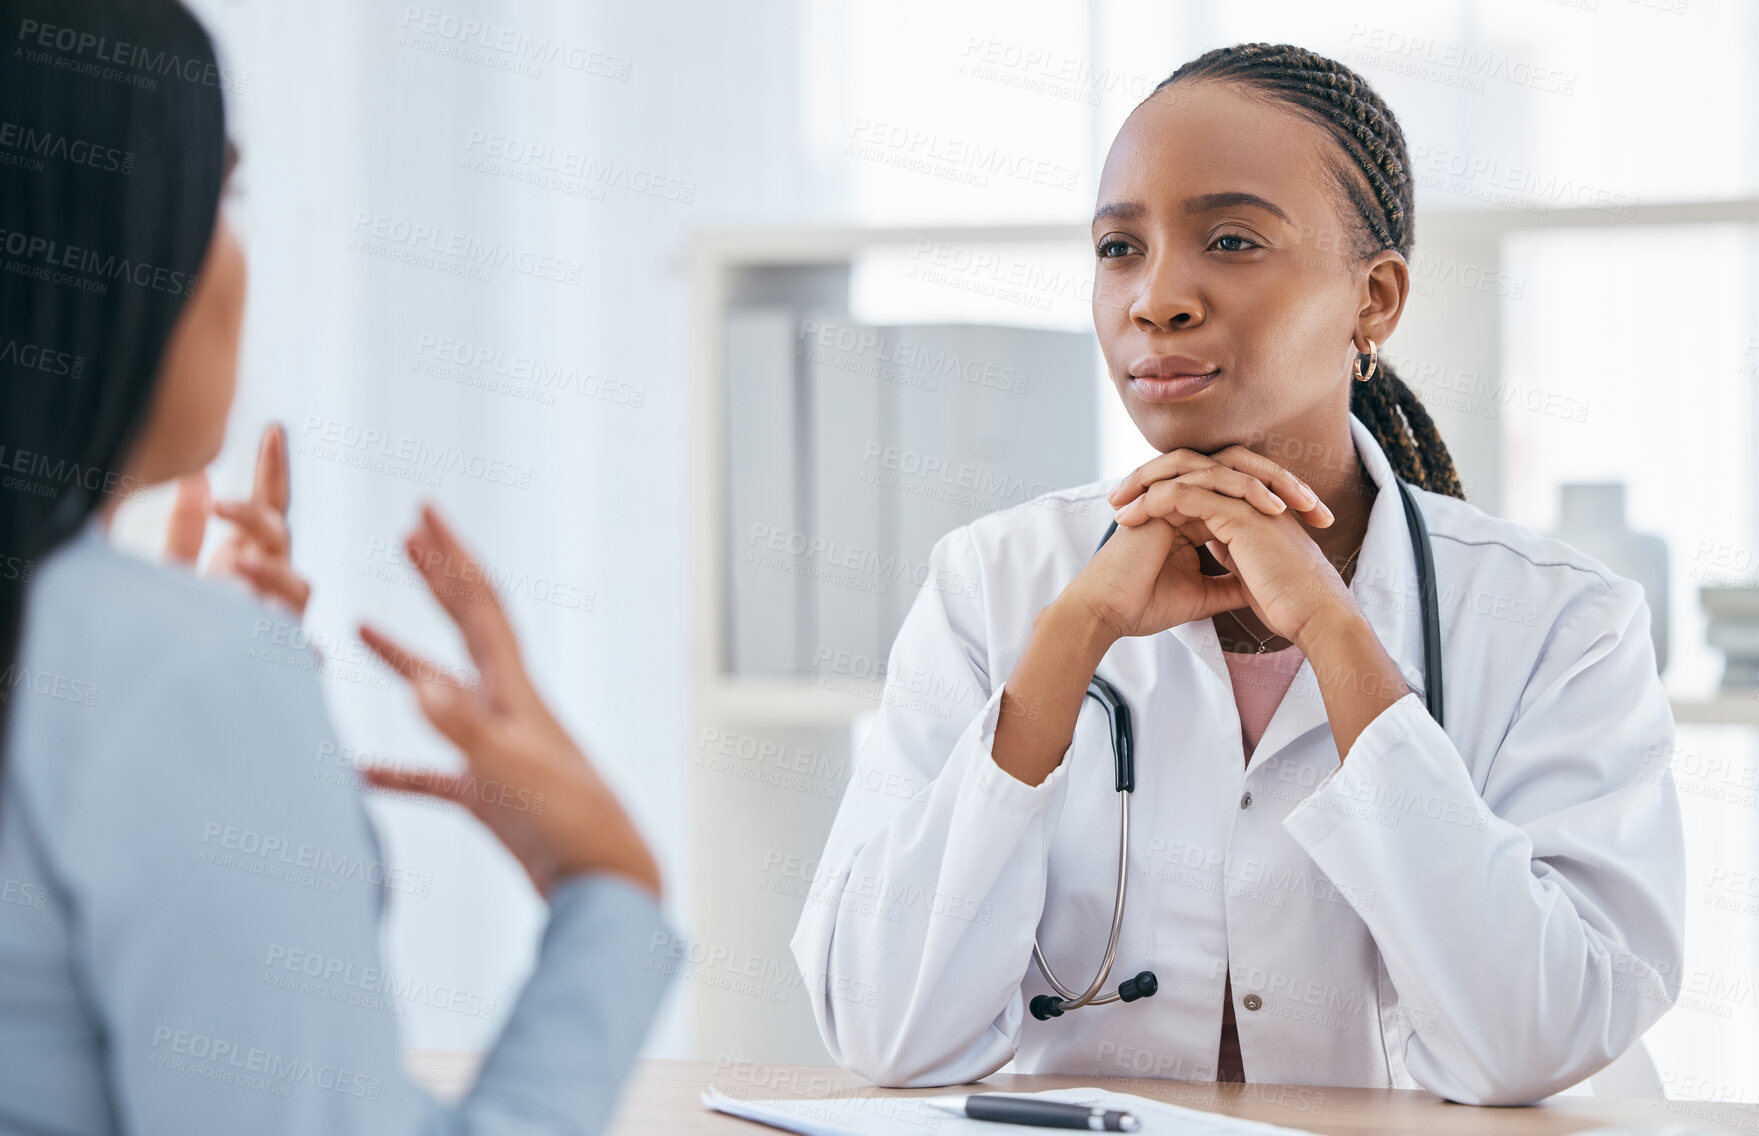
189 902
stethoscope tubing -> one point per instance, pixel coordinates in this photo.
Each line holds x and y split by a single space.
1071 1000
1123 751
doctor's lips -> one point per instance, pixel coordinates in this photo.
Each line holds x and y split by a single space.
1170 378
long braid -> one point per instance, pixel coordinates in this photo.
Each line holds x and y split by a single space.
1380 194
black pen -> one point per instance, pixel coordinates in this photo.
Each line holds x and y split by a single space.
1041 1113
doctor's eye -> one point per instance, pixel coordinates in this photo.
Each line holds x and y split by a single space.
1248 241
1112 249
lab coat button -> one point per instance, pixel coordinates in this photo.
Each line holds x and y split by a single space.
1246 801
1253 1001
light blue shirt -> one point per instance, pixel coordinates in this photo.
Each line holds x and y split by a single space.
190 893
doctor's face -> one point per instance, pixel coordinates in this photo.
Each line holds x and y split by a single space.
1221 248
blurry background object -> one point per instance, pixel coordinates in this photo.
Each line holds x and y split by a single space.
1591 517
1734 630
852 447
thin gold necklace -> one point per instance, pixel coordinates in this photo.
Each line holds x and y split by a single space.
1263 644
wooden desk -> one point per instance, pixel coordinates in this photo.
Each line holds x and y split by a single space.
664 1097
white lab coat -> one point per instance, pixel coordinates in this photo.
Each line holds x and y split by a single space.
1493 912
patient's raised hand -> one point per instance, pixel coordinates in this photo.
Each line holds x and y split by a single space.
259 549
524 777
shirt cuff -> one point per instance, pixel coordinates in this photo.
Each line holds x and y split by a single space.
1348 791
578 1024
1001 789
604 897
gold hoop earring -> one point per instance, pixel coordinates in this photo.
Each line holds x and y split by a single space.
1373 363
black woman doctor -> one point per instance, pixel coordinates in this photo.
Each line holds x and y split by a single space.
1347 893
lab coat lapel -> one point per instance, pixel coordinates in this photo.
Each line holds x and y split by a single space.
1384 587
1200 639
1210 671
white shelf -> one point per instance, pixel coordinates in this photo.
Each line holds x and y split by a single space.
1733 709
791 701
794 701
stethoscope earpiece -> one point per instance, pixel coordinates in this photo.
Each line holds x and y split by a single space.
1144 985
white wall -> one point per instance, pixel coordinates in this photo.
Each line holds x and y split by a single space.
341 114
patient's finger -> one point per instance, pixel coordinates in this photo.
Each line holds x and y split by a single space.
261 522
273 483
274 579
426 782
407 663
189 519
458 581
464 720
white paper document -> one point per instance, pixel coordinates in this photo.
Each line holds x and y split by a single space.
914 1116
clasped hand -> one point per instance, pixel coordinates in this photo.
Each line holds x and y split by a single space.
1247 511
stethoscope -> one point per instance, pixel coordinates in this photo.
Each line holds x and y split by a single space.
1144 985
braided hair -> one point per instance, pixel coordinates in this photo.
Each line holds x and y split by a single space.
1380 198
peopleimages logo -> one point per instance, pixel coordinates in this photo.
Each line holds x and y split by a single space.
82 45
35 145
18 676
40 473
35 357
967 160
253 1067
232 846
400 454
477 42
394 238
52 254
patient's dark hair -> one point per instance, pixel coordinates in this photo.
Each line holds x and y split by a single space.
110 181
1379 195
